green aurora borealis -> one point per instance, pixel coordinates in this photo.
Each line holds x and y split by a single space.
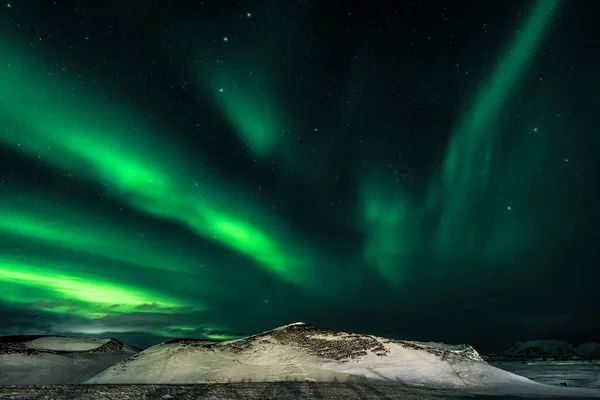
115 218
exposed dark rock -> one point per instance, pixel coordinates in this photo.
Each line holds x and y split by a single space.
338 346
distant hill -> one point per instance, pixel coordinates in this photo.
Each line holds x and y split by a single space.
548 350
42 359
540 348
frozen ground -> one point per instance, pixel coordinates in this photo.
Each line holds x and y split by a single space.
246 391
575 373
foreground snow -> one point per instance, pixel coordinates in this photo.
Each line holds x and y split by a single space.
575 373
250 391
35 360
305 353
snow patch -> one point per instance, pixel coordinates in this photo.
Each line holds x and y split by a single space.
57 343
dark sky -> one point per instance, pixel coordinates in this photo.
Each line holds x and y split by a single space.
415 169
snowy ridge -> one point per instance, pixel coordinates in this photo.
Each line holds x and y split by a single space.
302 352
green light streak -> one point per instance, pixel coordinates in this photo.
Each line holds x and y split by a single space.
468 160
390 230
247 80
178 331
250 241
69 129
88 234
250 107
55 285
220 336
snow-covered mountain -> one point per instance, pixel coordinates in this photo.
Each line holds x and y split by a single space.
40 359
304 352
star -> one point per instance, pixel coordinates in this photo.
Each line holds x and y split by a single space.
249 15
221 90
225 39
566 160
9 5
509 208
535 129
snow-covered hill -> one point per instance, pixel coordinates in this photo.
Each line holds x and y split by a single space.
38 359
303 352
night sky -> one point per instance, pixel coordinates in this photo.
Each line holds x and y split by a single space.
425 170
